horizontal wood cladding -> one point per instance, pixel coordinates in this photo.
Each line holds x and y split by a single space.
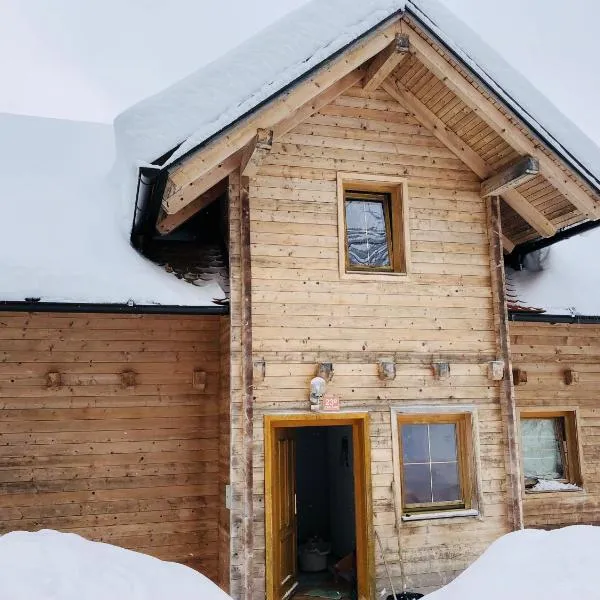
133 465
304 313
546 352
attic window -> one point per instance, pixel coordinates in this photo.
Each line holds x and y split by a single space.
373 232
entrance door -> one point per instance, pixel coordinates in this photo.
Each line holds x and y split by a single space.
280 502
284 477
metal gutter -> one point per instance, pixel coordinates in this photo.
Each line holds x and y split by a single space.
515 258
85 307
525 317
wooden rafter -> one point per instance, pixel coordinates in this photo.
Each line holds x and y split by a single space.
385 62
192 172
425 116
255 152
510 177
502 125
182 196
167 223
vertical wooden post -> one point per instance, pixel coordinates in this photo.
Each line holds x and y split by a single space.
507 390
247 390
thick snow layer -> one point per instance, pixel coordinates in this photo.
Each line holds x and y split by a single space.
191 111
49 565
532 564
67 225
568 279
211 98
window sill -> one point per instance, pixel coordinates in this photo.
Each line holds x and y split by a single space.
446 514
580 491
372 275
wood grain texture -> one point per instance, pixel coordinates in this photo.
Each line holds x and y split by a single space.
305 313
136 466
545 351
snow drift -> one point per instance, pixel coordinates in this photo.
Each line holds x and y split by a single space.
532 564
48 565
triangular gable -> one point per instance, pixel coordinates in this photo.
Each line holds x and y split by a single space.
542 191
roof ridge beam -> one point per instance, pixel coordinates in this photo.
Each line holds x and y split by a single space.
502 125
386 61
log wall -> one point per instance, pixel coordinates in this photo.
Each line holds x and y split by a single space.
135 466
545 351
303 313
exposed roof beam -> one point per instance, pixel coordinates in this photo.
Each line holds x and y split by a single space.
425 116
507 244
167 223
502 125
385 62
173 199
255 152
177 198
318 102
205 160
510 177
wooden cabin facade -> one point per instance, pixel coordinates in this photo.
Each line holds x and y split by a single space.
180 436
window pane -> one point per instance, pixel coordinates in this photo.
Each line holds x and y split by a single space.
443 441
417 484
541 440
367 234
445 482
415 445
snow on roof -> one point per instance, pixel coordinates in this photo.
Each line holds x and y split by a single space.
67 224
47 565
207 101
213 97
532 564
563 279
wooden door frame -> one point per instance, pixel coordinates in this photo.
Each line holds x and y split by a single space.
363 504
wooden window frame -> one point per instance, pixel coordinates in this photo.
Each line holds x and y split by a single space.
399 243
571 454
465 456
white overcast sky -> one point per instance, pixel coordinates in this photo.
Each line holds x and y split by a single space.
91 59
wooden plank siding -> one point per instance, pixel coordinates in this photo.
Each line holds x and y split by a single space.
545 351
133 466
304 313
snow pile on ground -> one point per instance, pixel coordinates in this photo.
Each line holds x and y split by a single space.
532 564
568 281
48 565
67 223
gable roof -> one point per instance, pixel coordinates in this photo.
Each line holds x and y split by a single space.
173 127
167 127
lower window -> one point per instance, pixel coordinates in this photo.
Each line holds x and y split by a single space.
435 463
549 451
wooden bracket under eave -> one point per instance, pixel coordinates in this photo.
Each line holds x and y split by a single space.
255 152
386 61
511 176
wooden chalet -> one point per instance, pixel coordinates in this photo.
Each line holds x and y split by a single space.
365 390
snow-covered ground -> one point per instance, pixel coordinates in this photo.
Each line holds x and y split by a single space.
48 565
534 565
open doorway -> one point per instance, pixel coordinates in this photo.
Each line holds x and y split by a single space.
316 507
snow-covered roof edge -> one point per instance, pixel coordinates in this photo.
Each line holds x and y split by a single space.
255 76
532 107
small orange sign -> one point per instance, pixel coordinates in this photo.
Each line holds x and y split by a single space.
330 403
